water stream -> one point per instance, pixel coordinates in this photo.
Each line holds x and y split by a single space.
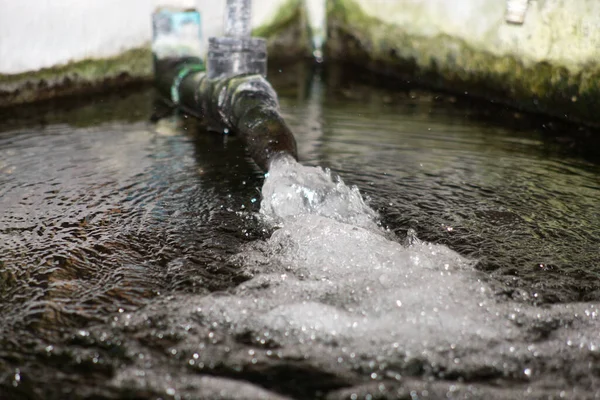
425 247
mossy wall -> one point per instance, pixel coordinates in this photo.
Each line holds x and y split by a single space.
76 78
285 31
549 64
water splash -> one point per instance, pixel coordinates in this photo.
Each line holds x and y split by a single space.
333 272
293 191
331 284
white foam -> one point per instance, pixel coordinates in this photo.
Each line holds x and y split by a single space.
330 272
331 279
292 191
331 284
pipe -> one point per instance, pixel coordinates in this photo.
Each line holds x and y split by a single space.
243 104
233 95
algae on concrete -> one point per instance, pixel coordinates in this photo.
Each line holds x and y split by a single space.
447 60
287 33
78 77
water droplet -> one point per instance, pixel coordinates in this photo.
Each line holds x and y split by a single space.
17 377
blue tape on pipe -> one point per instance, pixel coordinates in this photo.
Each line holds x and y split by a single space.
183 72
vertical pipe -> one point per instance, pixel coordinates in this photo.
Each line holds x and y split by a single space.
238 18
515 11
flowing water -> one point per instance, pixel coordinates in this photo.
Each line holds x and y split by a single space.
449 251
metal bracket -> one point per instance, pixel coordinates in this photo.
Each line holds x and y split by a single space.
515 11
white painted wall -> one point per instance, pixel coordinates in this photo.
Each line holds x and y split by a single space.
36 34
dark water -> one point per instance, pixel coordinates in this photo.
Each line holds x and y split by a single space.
112 226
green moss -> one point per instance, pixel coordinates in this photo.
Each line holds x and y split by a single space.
76 77
284 17
286 36
287 32
448 63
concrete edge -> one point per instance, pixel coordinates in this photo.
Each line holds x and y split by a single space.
86 76
287 40
448 63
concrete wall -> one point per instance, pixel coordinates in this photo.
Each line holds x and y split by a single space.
37 34
549 64
56 47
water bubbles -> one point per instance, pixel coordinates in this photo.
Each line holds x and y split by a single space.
292 190
16 378
331 285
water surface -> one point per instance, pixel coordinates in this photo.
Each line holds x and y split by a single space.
134 263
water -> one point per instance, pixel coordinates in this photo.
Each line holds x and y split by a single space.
293 191
153 260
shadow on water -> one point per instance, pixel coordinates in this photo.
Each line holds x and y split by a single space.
112 228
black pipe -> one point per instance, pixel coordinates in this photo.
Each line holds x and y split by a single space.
245 105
